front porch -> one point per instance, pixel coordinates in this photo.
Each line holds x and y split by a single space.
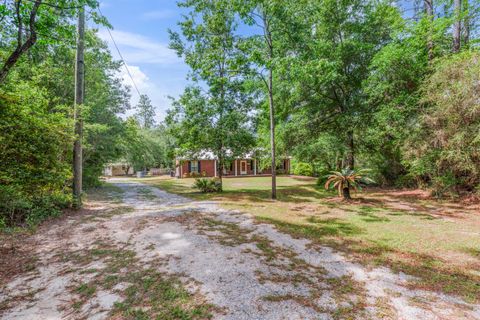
235 168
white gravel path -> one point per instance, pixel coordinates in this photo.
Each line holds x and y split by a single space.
248 270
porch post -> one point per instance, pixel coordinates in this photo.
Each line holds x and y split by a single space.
215 164
254 167
236 167
181 170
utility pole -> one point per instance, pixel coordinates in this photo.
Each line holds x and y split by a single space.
79 99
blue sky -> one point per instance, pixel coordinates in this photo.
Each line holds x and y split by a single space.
140 30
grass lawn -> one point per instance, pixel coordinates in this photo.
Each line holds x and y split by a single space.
439 242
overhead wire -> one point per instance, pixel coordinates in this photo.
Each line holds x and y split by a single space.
121 57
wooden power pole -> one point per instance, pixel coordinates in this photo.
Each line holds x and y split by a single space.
79 99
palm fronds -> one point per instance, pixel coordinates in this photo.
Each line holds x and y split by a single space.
348 179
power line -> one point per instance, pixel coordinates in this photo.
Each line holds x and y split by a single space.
121 56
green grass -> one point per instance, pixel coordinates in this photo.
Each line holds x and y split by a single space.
165 296
436 241
251 188
149 294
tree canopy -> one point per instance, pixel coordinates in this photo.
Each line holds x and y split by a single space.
334 84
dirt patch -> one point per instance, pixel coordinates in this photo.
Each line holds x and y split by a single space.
16 256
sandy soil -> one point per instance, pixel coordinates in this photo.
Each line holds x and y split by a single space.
248 270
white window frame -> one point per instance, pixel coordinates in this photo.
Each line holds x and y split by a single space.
192 170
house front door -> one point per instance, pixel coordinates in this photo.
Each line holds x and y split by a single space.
243 167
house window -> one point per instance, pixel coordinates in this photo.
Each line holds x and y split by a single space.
194 166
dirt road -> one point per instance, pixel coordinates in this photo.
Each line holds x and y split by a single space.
143 253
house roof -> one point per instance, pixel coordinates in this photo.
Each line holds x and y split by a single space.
208 155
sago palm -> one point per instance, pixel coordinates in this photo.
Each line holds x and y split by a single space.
347 179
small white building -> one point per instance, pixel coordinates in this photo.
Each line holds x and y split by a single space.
118 169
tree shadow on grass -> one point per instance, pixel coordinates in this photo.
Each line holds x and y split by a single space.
431 272
317 228
421 215
334 227
290 194
368 214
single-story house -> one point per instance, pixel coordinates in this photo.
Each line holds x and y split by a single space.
205 164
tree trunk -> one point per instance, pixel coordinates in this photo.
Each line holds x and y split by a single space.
346 193
466 23
79 100
339 162
21 47
457 27
268 37
350 159
220 164
272 135
429 13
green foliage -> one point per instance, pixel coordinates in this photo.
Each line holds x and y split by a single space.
145 112
208 185
302 169
348 88
27 25
36 127
34 149
213 113
444 148
145 148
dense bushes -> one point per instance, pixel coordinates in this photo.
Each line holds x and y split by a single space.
34 156
208 185
302 169
444 151
36 128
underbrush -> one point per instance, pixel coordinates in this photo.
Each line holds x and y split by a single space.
19 208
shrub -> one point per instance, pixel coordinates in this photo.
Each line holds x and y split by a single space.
35 158
303 169
208 185
347 179
445 185
323 177
20 208
443 149
194 175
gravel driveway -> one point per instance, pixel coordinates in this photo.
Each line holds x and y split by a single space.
241 268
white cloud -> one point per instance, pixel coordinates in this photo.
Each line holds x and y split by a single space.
145 57
137 48
158 15
157 94
138 77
